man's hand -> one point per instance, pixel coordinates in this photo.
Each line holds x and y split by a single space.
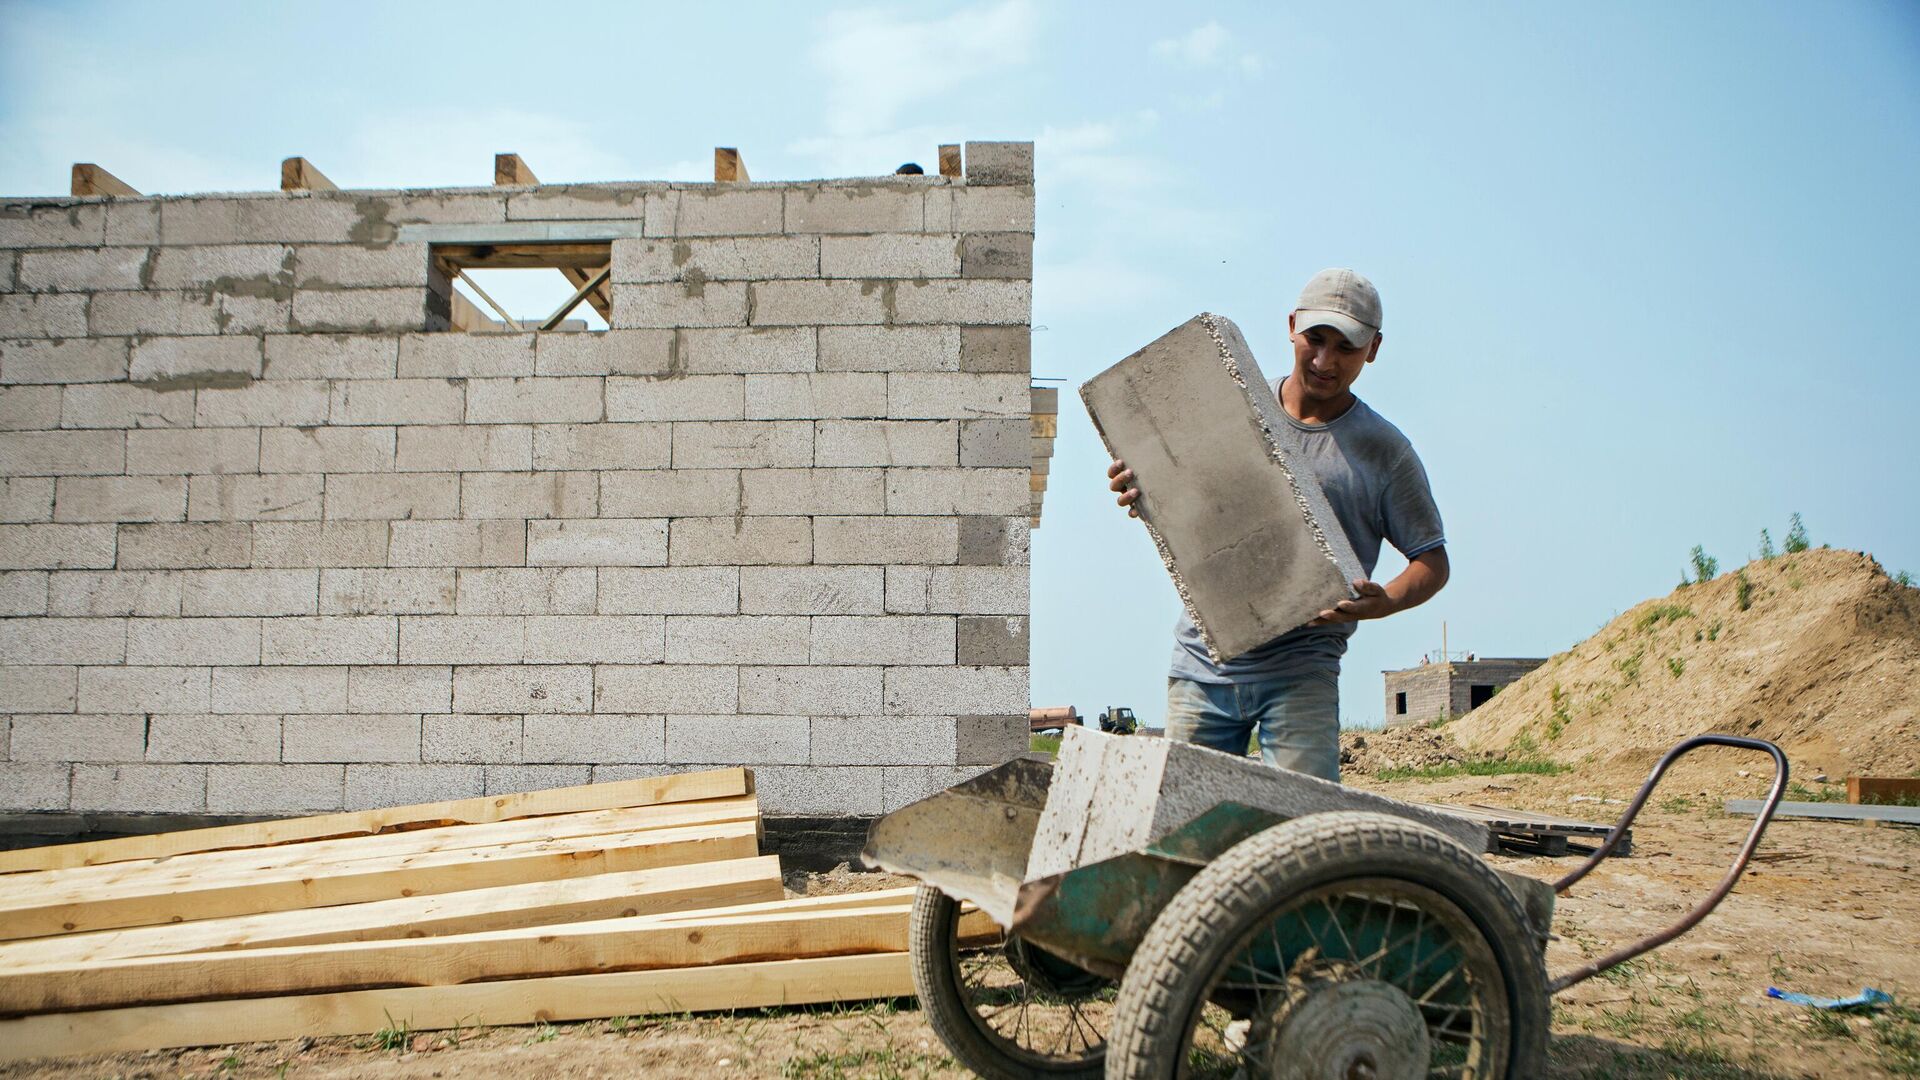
1121 480
1425 575
1372 603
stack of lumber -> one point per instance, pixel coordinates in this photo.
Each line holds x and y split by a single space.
616 899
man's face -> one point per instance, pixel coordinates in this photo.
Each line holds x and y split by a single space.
1325 362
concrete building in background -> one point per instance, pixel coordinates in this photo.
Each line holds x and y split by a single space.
289 524
1443 691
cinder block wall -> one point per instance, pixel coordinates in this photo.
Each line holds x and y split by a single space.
269 544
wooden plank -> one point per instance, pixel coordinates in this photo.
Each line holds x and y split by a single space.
523 1001
253 892
729 166
949 159
732 885
1044 425
468 318
681 787
1892 790
1898 815
510 171
298 174
91 179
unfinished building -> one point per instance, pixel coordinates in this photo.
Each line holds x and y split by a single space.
289 523
1434 692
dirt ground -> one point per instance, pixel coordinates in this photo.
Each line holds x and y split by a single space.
1828 908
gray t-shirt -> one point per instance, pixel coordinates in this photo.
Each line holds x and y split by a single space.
1378 490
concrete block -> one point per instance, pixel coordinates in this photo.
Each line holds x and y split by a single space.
143 313
856 209
423 591
743 444
889 348
136 222
668 590
759 541
244 592
884 540
738 740
811 590
330 639
66 737
329 356
849 791
81 270
820 303
883 639
511 779
680 304
957 491
184 546
333 218
579 542
283 544
736 639
214 641
883 740
477 208
284 497
1004 349
692 397
462 639
593 639
667 688
327 450
358 738
204 737
529 495
978 590
1113 794
359 311
70 360
275 789
23 592
813 491
892 255
253 315
483 448
965 301
40 315
29 408
25 499
610 352
52 223
458 543
351 266
119 592
522 688
1251 543
56 547
279 690
594 739
842 443
999 163
144 789
260 404
404 689
551 203
990 740
994 640
216 450
816 395
983 210
398 401
760 349
725 258
122 405
470 740
261 269
451 355
671 493
810 691
902 785
35 786
534 400
915 395
602 446
382 497
714 211
85 453
143 690
929 691
526 591
1000 443
120 498
997 255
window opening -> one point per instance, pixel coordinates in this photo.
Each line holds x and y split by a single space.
495 288
1479 694
1400 703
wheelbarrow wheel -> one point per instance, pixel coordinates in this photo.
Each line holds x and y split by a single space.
1331 946
1004 1008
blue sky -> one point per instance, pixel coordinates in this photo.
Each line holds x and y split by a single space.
1649 269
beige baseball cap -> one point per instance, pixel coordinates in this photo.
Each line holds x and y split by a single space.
1342 299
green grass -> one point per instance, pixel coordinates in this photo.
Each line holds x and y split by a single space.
1661 614
1896 1036
1495 767
1799 792
1742 589
395 1036
1046 744
1676 665
1629 666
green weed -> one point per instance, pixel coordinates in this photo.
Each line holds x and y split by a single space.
1676 804
1896 1034
1797 541
395 1036
1766 545
1800 792
1629 666
1742 590
1676 665
1713 632
1903 578
1494 767
1705 566
1046 744
1826 1024
1657 615
1562 716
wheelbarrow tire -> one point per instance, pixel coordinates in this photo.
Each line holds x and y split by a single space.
933 946
1212 922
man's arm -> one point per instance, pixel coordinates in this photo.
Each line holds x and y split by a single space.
1423 577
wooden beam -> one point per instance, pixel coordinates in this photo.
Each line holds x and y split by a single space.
683 787
255 891
467 317
728 166
522 1001
91 179
579 256
1893 790
741 885
949 159
510 171
298 174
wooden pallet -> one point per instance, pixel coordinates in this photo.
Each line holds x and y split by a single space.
1535 833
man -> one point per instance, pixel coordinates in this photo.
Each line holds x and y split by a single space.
1288 689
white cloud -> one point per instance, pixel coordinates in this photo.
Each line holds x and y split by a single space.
879 65
1209 45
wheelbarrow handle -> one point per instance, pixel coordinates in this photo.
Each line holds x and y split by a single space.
1706 906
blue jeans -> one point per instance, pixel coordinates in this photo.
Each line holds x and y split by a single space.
1297 716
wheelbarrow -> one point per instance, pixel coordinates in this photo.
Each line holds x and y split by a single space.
1065 928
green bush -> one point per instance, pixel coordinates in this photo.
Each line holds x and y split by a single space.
1676 665
1766 545
1742 591
1903 578
1653 617
1797 541
1705 566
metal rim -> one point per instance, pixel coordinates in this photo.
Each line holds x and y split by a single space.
1034 1007
1373 931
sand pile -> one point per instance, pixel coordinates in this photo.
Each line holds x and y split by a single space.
1399 748
1818 651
